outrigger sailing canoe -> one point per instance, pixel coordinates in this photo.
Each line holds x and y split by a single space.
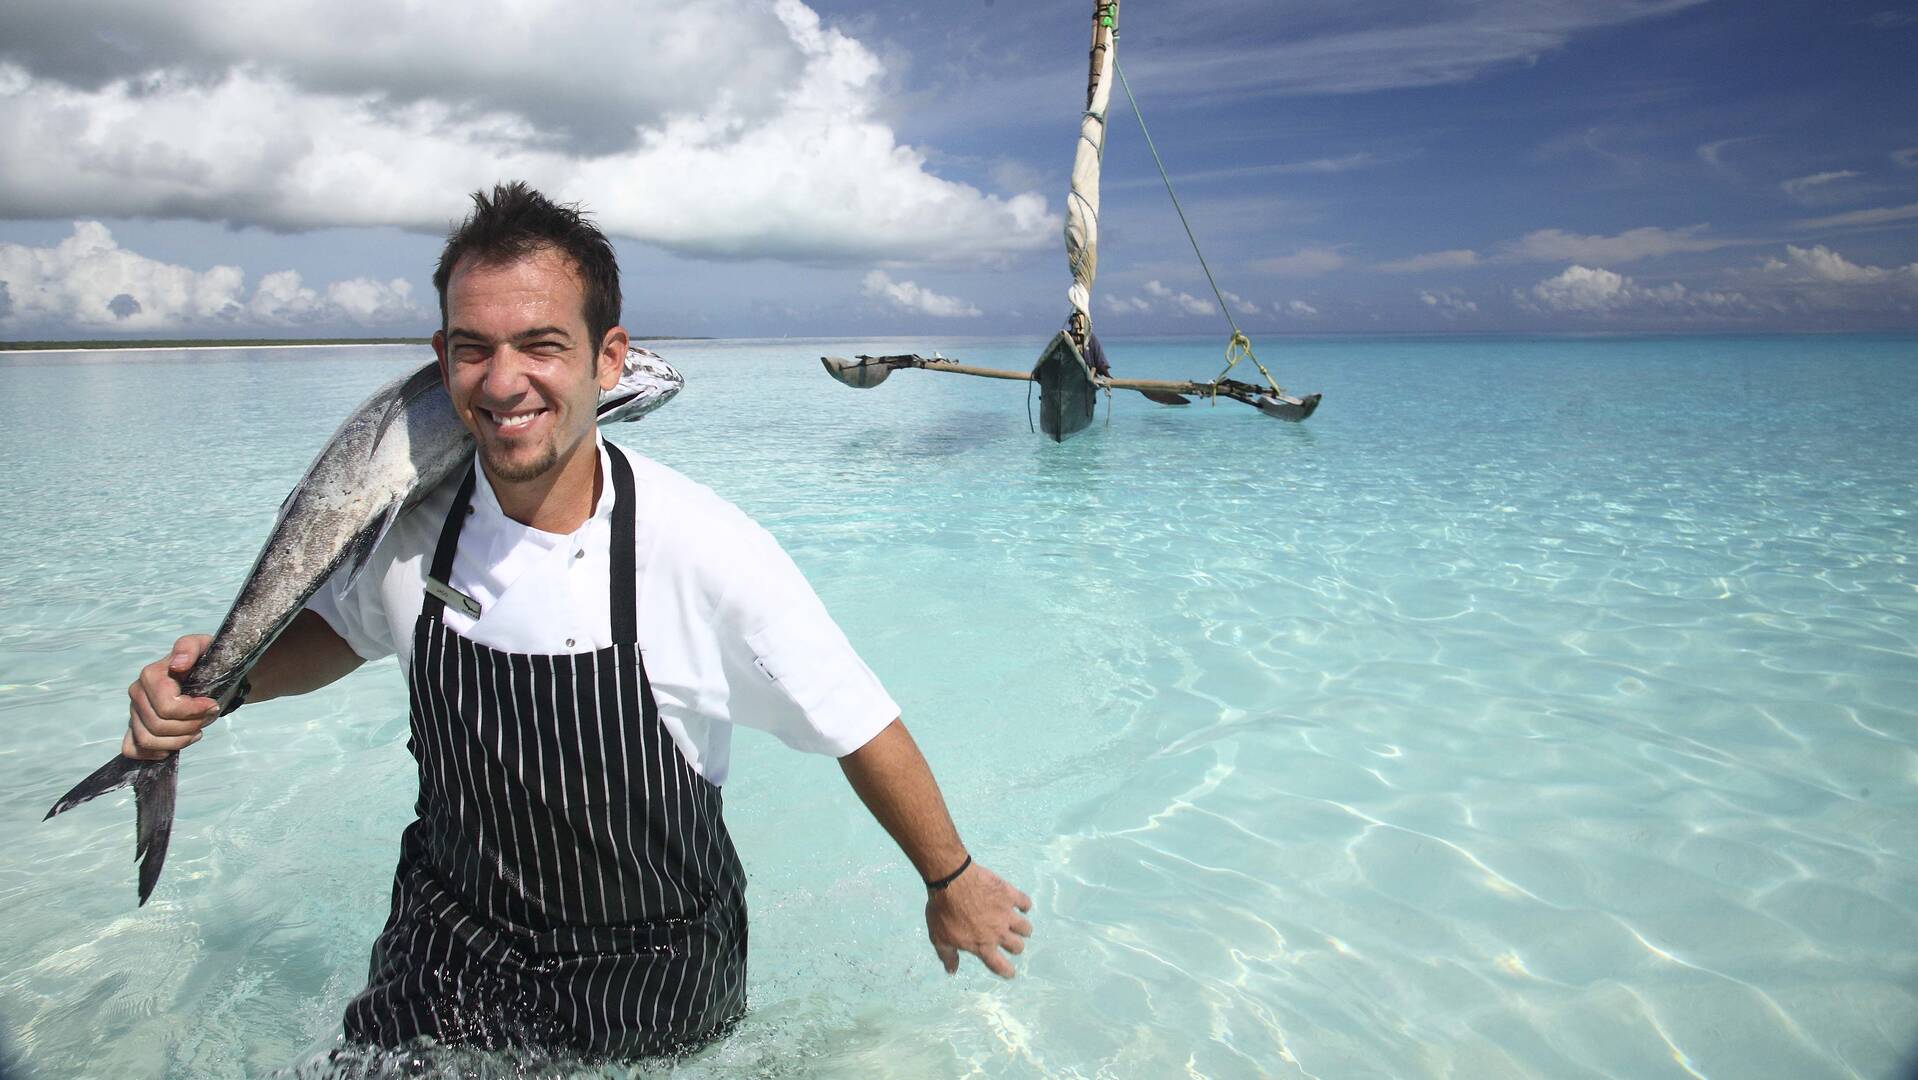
1068 388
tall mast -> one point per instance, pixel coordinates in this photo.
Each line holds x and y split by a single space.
1082 203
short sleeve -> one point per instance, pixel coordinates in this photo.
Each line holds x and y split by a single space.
788 668
357 614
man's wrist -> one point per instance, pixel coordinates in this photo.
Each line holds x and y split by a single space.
937 884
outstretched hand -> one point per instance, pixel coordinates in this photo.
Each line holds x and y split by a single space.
981 914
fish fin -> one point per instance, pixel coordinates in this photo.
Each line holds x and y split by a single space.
112 776
153 795
361 553
422 381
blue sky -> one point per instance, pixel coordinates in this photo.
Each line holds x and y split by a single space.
770 167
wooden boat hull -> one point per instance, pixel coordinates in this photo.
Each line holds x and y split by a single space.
1068 397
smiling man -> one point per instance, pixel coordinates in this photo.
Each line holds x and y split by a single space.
581 628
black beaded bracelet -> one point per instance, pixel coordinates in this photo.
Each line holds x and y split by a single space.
950 878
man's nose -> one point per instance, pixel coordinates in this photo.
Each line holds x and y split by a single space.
505 373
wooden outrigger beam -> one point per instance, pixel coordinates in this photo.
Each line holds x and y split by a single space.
864 372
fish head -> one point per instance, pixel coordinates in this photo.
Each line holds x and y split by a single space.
646 381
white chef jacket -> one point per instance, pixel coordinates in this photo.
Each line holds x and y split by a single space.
729 630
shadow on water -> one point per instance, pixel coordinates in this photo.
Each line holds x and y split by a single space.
957 432
947 435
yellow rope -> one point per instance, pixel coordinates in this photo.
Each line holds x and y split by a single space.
1240 348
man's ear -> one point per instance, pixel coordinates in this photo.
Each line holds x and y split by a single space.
439 354
612 357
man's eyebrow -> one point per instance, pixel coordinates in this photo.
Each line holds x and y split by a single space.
523 335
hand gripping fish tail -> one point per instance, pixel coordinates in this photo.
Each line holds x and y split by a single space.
154 783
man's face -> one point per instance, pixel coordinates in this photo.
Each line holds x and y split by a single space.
519 364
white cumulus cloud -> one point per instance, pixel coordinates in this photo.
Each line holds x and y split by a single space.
1819 263
1125 305
1183 303
1906 158
88 281
907 296
296 117
1301 310
1582 290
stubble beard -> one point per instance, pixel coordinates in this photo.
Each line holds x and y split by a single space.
519 471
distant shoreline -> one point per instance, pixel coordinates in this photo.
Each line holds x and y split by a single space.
197 344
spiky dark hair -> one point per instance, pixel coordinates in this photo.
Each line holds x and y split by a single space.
517 221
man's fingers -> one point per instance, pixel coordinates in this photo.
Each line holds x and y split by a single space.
185 651
174 722
1020 900
1013 944
156 745
948 956
128 748
161 694
995 962
1022 927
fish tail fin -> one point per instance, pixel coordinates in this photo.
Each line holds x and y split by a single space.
112 776
153 783
153 794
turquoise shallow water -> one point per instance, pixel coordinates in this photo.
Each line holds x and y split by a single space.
1539 708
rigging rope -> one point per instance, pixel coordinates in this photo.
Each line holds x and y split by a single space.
1240 347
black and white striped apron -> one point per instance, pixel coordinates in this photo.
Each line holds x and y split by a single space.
568 882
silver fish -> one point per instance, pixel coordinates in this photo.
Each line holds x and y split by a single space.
394 449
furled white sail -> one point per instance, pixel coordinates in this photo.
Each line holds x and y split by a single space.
1082 204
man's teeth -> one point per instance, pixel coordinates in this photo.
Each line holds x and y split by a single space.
515 421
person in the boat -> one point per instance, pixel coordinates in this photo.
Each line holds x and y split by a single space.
569 882
1096 356
1093 352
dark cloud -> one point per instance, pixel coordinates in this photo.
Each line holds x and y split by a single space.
124 306
73 44
6 301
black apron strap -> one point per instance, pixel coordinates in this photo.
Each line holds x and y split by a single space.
442 571
622 577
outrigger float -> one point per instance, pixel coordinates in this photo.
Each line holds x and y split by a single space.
1068 386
